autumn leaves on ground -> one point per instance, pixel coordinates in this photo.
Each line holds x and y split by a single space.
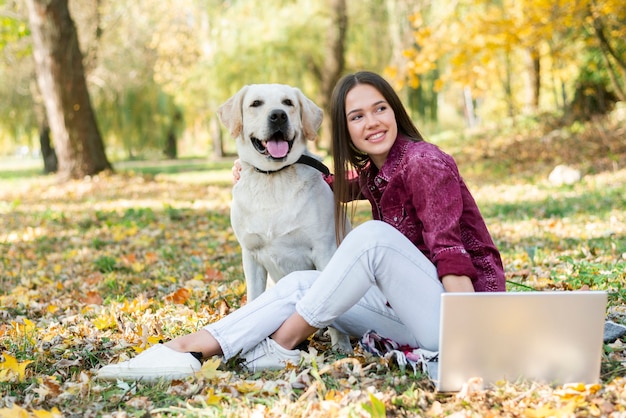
95 271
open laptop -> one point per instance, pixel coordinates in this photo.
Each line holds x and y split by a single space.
550 337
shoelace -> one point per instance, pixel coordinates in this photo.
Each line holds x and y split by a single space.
265 349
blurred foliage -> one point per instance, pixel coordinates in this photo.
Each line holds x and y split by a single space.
455 63
511 51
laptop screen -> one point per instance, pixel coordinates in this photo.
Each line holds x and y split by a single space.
551 337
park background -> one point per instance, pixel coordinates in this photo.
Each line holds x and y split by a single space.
115 183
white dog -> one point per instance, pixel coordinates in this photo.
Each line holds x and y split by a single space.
282 209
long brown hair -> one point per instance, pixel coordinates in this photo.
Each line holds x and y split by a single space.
345 155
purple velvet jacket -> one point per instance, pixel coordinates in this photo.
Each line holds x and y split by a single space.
420 192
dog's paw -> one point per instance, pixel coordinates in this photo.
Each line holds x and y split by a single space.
340 342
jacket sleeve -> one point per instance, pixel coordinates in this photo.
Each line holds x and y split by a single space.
435 186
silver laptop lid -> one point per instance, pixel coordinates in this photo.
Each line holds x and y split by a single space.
550 337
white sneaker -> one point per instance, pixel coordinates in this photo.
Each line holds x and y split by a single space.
157 362
269 355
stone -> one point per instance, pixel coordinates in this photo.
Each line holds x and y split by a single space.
564 175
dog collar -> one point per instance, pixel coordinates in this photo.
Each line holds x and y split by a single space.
304 159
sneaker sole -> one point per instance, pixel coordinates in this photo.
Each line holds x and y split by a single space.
144 374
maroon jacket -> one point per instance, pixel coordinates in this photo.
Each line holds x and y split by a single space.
420 192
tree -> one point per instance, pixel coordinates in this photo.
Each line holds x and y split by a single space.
606 23
332 67
61 80
526 45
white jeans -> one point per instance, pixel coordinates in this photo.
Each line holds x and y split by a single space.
376 280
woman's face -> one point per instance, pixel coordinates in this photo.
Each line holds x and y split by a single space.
371 122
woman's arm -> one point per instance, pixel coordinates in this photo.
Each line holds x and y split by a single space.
453 283
436 189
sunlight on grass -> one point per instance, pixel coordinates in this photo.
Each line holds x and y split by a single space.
219 177
96 270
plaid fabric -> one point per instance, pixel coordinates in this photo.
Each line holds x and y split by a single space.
388 349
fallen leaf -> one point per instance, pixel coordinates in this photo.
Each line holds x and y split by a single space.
14 367
13 412
93 298
180 296
209 369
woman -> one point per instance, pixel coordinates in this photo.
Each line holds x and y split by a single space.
427 237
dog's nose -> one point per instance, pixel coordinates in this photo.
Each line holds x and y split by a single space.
277 117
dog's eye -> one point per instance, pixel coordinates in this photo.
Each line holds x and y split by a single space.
287 102
256 103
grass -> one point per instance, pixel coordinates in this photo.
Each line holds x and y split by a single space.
96 270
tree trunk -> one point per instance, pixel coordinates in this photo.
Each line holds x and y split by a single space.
533 87
49 157
508 89
61 79
216 136
171 142
50 162
334 63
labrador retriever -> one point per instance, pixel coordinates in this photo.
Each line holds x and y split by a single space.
282 209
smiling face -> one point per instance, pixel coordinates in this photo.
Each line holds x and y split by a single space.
371 122
271 116
271 123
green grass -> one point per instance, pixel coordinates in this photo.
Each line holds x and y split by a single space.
89 269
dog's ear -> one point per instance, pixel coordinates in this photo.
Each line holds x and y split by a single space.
311 116
230 113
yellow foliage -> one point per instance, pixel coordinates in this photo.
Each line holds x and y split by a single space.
13 412
105 321
476 42
210 370
212 398
25 330
10 368
54 413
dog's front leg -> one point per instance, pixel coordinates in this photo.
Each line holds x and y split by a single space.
256 275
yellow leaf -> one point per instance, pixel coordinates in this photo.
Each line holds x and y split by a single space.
543 411
41 413
14 412
209 369
28 327
15 367
212 398
153 339
247 387
104 322
4 375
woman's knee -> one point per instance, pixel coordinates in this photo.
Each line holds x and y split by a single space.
296 282
372 232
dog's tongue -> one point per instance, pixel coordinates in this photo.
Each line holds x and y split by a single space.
277 149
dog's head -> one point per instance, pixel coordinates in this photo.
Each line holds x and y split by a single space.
271 123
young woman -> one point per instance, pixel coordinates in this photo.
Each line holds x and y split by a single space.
427 237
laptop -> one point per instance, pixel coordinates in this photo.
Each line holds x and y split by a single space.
553 337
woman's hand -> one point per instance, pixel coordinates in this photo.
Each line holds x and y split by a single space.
236 171
453 283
